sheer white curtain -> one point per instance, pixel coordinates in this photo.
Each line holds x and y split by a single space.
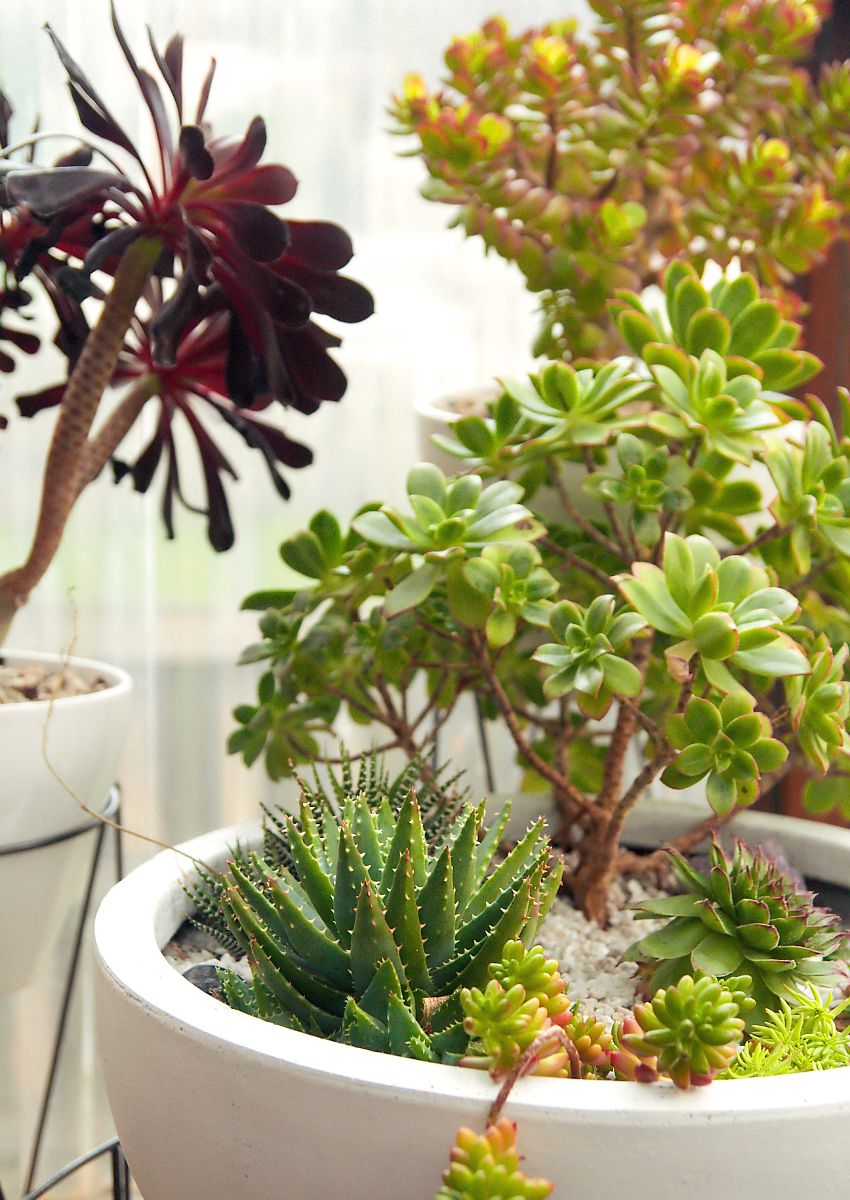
320 72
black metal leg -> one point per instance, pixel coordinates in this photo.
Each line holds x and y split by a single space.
120 1172
64 1009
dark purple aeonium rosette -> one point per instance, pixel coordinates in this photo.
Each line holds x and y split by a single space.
188 392
230 319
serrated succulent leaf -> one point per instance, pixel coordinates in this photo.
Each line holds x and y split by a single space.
403 920
372 941
437 910
351 877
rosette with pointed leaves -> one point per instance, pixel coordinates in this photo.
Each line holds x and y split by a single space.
820 706
692 1028
211 209
812 493
724 610
733 319
743 914
584 407
450 518
486 1167
517 585
650 480
370 922
586 660
728 743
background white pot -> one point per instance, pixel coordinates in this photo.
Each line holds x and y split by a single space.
85 736
210 1102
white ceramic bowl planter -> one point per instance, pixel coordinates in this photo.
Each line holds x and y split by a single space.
211 1102
85 736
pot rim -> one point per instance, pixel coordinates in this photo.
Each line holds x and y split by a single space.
119 681
140 914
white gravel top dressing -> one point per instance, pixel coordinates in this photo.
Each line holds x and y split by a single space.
590 957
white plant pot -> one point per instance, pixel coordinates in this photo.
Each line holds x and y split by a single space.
211 1102
83 742
436 416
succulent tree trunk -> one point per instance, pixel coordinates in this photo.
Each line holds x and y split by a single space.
68 466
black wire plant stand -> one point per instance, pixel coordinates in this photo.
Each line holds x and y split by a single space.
112 812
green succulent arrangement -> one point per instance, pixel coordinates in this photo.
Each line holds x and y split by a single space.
668 131
409 930
650 554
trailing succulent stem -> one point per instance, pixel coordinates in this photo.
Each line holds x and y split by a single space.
486 1167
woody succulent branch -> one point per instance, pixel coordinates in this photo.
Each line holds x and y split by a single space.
701 615
591 159
204 300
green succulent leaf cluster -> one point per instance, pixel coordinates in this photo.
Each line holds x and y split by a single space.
370 922
729 744
486 1167
691 1029
820 706
584 407
733 320
724 610
744 914
585 658
526 997
649 479
812 493
517 586
449 519
801 1034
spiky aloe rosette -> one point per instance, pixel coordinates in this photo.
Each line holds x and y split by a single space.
689 1031
744 914
440 798
371 924
486 1167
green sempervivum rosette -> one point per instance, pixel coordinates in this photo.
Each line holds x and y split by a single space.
486 1167
371 924
692 1029
743 915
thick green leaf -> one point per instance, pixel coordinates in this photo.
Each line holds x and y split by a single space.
412 590
674 940
717 954
436 904
372 941
403 920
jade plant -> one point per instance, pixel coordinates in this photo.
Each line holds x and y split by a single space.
201 299
591 159
685 630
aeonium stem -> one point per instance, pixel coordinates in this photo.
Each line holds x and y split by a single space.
69 444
